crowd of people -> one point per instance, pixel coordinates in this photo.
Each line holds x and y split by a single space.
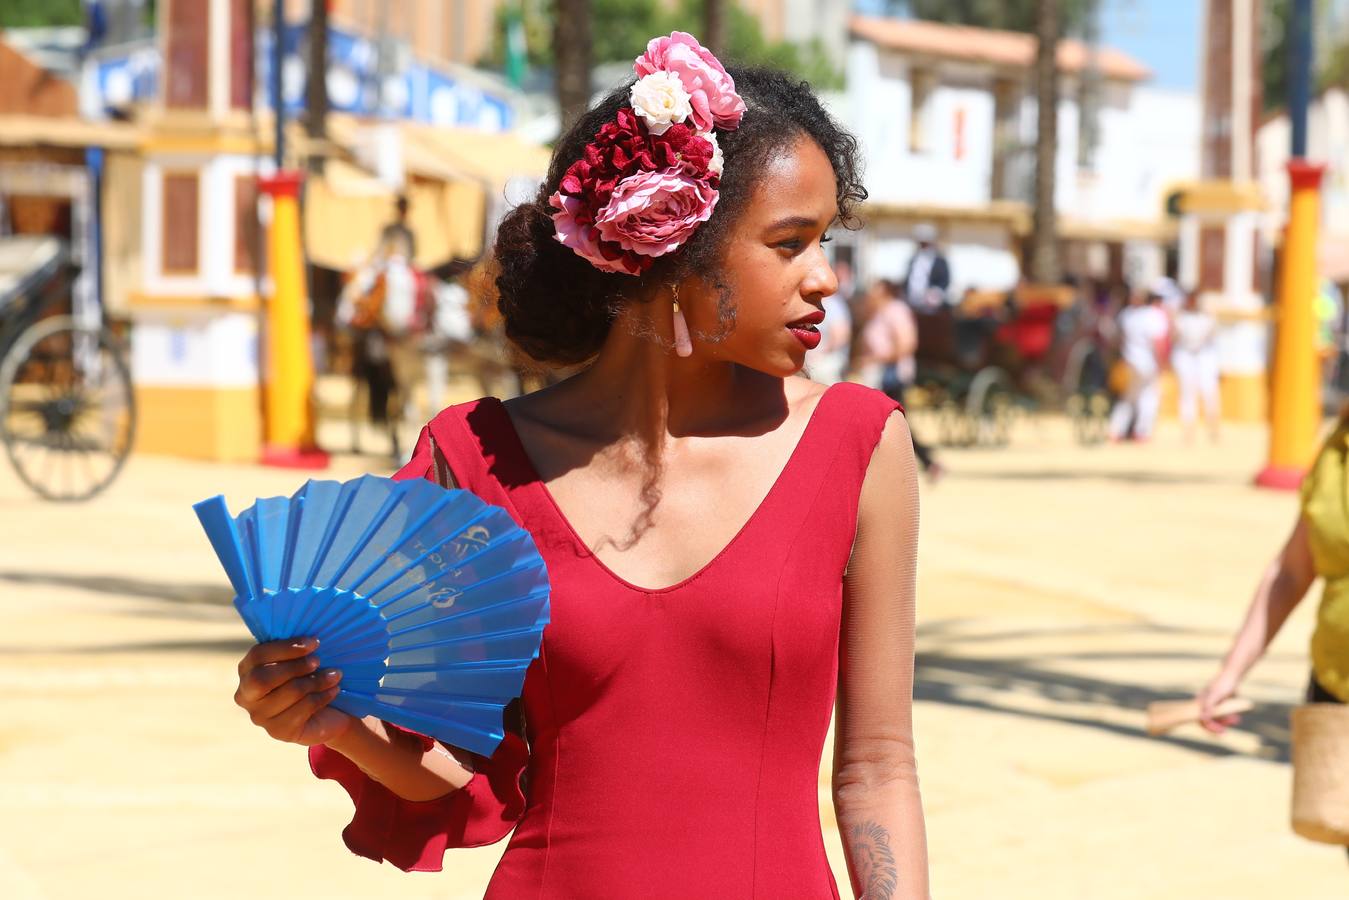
871 335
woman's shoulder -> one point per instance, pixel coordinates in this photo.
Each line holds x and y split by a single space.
858 415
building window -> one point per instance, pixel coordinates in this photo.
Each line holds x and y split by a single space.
1212 257
187 47
247 234
241 54
922 85
180 221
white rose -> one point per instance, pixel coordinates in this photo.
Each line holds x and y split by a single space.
661 100
718 160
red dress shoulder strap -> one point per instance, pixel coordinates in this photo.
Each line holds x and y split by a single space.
860 413
468 440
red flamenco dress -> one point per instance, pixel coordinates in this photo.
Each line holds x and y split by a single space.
674 735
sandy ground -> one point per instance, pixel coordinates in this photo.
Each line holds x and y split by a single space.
1061 590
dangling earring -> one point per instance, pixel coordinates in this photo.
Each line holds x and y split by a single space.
683 346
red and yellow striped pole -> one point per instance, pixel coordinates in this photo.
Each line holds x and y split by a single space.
288 376
1295 389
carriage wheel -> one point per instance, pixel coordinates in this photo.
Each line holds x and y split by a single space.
1087 403
1090 414
988 408
67 411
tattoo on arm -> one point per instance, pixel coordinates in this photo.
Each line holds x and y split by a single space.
875 861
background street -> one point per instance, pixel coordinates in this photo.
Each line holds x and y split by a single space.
1061 590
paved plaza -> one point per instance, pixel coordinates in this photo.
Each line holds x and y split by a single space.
1061 590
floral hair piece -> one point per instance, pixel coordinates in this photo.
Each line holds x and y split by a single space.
650 178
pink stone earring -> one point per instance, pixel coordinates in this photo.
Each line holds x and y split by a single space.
683 346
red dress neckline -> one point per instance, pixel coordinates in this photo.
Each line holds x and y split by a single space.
549 503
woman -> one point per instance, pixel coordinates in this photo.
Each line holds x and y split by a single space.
890 345
724 541
1195 361
1318 547
1142 333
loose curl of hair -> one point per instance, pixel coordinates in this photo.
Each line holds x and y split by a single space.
558 308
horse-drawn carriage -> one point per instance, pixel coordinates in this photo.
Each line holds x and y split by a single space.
997 354
67 410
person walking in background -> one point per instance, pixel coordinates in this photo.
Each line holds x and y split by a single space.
1142 332
1194 357
889 347
397 238
379 306
928 278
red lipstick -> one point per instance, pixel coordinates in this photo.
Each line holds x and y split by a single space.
806 331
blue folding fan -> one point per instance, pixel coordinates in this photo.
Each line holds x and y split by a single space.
431 602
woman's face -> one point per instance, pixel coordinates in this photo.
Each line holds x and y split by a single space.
775 267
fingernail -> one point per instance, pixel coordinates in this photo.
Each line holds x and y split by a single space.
332 673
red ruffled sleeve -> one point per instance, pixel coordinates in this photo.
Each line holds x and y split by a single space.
414 835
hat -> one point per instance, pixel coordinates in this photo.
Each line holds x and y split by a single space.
925 234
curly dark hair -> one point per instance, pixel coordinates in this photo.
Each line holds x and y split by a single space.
558 308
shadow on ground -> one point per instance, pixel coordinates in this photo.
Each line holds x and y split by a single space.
212 594
1038 687
1140 476
1030 687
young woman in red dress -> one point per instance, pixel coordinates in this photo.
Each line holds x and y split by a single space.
731 548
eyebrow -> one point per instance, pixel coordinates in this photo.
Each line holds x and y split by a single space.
793 222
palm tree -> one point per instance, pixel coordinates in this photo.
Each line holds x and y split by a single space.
316 86
714 26
1044 248
572 51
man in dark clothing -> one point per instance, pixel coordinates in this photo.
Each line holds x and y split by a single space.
929 276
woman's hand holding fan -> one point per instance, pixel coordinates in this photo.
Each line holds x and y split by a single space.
286 694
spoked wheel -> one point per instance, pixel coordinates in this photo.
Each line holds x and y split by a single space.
1088 402
1091 417
67 411
988 408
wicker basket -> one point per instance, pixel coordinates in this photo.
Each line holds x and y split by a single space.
1321 772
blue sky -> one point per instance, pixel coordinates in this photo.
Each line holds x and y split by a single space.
1161 34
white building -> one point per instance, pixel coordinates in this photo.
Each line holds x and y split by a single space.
947 119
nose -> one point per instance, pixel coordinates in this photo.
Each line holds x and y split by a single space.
820 281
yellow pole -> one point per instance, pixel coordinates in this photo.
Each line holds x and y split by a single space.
1295 391
289 374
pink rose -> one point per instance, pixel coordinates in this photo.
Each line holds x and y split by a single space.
653 213
571 222
711 90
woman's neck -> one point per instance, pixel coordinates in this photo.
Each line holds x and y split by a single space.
638 391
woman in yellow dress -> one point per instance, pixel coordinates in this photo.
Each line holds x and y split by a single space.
1317 548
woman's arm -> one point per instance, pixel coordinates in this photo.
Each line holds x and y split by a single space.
875 779
412 767
1282 586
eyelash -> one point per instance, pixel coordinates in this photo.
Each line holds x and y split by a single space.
796 245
